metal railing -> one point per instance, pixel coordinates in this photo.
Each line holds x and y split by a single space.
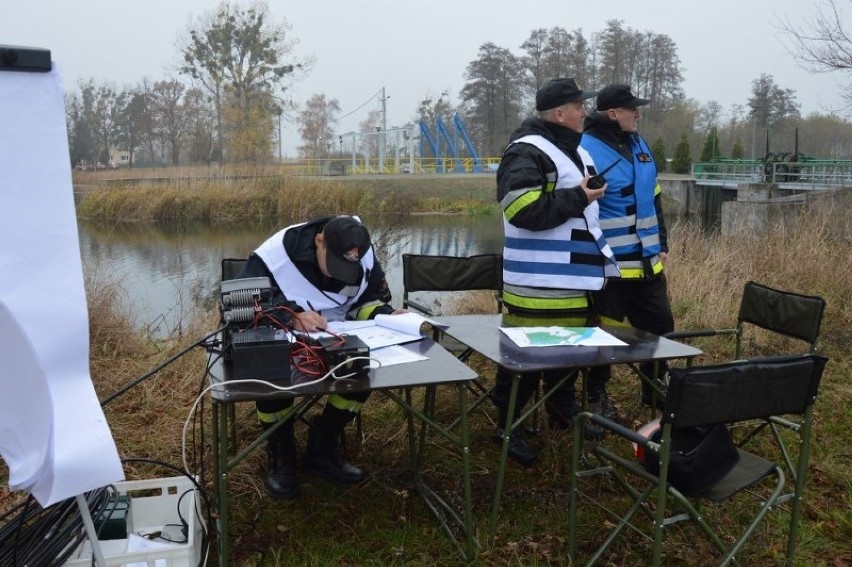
802 175
344 166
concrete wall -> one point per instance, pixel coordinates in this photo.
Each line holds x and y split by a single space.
758 217
757 207
679 192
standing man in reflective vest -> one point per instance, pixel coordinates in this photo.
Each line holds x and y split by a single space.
323 270
631 216
554 253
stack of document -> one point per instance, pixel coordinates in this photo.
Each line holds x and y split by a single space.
384 330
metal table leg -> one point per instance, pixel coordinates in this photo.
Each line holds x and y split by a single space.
417 441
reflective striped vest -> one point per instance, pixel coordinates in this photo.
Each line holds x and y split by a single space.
572 256
628 216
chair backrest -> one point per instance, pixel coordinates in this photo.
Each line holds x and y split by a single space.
231 267
742 390
787 313
451 273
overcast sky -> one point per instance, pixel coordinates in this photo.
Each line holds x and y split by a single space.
418 49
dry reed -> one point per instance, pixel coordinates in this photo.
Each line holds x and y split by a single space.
224 199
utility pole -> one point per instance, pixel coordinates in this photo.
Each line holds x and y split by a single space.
382 134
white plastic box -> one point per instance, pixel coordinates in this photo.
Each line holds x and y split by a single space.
153 506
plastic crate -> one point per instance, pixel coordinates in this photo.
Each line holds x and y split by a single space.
153 506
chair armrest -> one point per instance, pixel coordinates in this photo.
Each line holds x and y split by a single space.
675 335
616 428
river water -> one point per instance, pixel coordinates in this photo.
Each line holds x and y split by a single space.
167 274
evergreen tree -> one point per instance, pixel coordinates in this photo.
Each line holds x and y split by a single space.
682 163
711 150
737 152
658 150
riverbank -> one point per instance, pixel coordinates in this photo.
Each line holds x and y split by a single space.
243 198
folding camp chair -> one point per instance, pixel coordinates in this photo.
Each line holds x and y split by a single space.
789 317
424 273
730 393
443 275
783 313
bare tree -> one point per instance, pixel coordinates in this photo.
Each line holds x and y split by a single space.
430 108
709 115
822 44
316 126
101 106
173 109
240 58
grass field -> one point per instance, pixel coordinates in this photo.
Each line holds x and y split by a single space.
384 522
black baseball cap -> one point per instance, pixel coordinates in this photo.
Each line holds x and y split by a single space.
557 92
347 241
618 96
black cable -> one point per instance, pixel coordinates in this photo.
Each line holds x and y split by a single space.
31 535
198 455
48 536
147 375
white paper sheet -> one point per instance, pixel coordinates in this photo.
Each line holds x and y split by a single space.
395 354
53 434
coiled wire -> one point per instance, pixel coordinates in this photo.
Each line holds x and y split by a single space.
32 535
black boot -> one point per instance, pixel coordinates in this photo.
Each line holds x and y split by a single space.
281 451
519 450
562 406
324 458
599 404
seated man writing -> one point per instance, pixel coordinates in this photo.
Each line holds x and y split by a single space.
323 270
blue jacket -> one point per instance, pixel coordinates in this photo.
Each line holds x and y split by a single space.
630 211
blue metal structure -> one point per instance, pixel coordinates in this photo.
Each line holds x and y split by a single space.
477 163
442 130
436 151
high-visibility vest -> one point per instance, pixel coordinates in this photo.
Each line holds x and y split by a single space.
628 216
572 256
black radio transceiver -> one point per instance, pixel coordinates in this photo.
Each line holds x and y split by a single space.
348 351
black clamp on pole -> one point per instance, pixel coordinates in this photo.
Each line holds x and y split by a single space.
33 59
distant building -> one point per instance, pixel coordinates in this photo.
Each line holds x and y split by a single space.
118 158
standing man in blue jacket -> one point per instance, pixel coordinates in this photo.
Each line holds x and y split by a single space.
631 217
554 254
